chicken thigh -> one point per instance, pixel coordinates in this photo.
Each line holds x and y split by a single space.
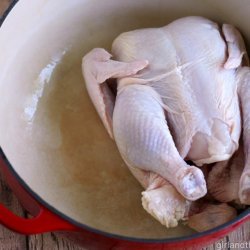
176 100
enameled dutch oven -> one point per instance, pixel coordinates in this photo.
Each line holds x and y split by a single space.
55 153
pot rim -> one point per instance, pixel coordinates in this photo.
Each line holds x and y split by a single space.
180 239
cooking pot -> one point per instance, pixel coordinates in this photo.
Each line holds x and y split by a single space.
55 153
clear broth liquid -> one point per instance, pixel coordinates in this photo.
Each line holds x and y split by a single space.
91 182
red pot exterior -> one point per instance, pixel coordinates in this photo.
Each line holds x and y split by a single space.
46 220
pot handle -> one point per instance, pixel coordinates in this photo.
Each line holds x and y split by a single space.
44 222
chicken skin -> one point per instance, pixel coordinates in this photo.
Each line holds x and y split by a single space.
179 91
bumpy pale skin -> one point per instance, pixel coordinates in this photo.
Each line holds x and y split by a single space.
177 99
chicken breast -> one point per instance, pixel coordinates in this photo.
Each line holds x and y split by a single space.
187 71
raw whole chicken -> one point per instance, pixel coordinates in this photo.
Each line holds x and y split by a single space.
179 93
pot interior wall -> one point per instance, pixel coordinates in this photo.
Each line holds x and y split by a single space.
49 129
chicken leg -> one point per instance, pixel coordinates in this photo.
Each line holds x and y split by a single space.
144 140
